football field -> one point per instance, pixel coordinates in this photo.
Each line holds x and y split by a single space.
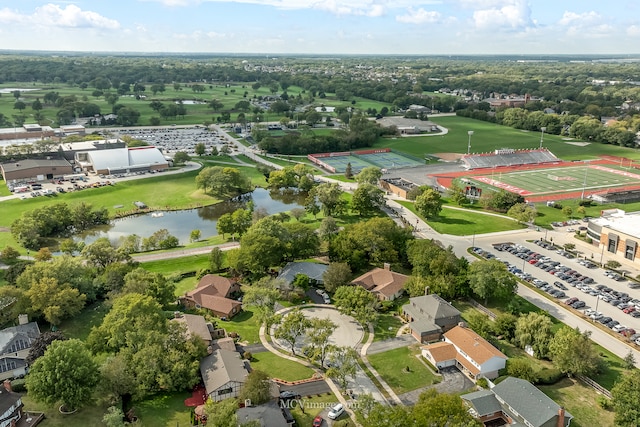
570 179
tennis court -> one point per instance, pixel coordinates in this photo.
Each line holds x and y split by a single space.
391 160
561 180
340 163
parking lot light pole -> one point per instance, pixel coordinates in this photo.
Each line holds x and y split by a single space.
542 129
469 143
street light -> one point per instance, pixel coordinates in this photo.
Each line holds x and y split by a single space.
584 183
543 128
469 144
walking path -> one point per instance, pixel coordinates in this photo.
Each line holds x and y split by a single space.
365 360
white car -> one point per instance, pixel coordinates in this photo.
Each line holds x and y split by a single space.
336 411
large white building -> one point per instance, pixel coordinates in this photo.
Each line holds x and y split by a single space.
616 232
122 160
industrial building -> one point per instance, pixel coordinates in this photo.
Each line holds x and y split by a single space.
122 160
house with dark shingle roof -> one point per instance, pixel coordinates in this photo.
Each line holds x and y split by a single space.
387 285
429 316
224 373
269 414
214 294
472 354
15 343
516 402
312 270
195 326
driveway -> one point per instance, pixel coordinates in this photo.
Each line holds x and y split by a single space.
453 382
391 344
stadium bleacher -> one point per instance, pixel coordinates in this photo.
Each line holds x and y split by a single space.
508 158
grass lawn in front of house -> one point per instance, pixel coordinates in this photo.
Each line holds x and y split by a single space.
279 367
392 367
313 406
386 327
244 324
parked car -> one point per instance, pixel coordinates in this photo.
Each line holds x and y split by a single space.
317 421
336 411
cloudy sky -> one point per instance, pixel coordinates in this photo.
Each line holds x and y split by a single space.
324 26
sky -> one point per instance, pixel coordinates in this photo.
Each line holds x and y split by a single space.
406 27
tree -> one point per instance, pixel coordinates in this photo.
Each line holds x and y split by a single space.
480 324
348 171
337 274
356 301
573 352
9 254
626 393
223 413
195 235
200 148
329 197
505 325
181 157
328 228
567 211
224 225
629 360
369 175
522 212
343 365
367 198
263 296
66 373
612 264
41 343
569 246
216 258
155 285
317 339
293 326
113 417
490 279
36 105
100 253
256 388
429 204
19 105
297 213
55 301
442 409
534 330
222 181
521 368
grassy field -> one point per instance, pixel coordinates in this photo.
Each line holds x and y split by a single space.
386 327
580 401
279 367
244 324
90 415
392 364
489 136
461 223
80 325
165 410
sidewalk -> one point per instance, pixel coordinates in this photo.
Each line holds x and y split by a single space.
383 383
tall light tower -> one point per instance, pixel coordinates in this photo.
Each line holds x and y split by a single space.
584 183
543 128
469 144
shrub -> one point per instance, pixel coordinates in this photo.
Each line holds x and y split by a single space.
247 355
557 205
18 385
549 376
482 382
603 402
586 203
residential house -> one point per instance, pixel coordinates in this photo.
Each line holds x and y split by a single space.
15 343
312 270
196 326
430 316
11 409
224 374
214 294
518 402
270 414
387 285
468 351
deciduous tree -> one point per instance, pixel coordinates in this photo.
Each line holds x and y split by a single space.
55 301
337 274
626 395
356 301
343 365
256 388
534 329
317 339
490 279
573 352
429 204
292 327
369 175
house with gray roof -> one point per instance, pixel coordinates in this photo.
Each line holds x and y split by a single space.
429 317
15 343
270 414
516 402
312 270
224 373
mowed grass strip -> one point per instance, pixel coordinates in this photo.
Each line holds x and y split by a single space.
392 366
465 222
279 367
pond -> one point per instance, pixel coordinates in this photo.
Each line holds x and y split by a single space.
181 223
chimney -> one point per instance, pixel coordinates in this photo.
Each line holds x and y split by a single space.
387 266
7 386
23 319
561 417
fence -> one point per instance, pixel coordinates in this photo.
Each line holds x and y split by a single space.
591 383
482 308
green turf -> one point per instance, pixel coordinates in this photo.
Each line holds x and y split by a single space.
164 410
244 324
392 364
563 180
386 327
90 415
580 401
279 367
489 136
80 325
462 223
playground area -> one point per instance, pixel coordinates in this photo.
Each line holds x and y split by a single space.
383 158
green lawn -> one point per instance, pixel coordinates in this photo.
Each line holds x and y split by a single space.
165 410
460 223
244 324
386 327
315 405
279 367
580 401
489 136
177 265
90 415
392 364
80 325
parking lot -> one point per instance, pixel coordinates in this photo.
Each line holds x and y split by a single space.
603 297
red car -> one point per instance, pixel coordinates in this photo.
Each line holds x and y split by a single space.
317 421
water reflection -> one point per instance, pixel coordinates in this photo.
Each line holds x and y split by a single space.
181 223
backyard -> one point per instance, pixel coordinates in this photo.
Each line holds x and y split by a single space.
279 367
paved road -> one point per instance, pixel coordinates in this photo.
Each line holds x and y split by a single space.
391 344
453 382
308 389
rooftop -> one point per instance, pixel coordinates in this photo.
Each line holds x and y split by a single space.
619 220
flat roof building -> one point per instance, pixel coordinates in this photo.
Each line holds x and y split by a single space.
122 160
616 232
36 169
